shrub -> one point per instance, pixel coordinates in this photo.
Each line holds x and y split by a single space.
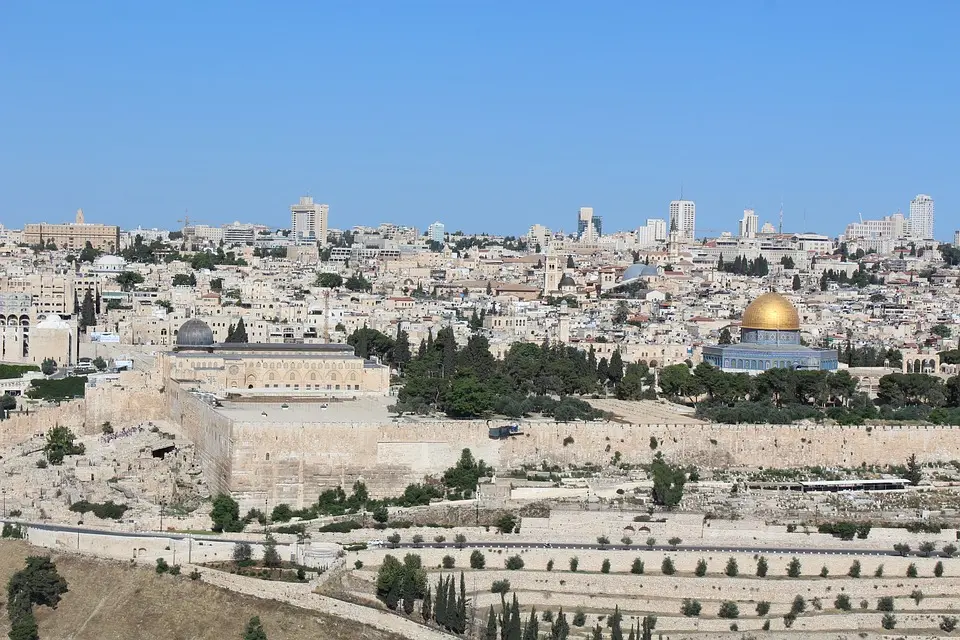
506 523
41 464
798 606
917 596
195 575
789 619
766 625
651 542
889 621
514 563
417 538
690 608
763 608
162 566
605 566
793 569
637 566
358 564
500 586
854 571
761 567
927 548
242 551
701 569
912 570
824 572
102 510
345 526
885 603
175 570
729 609
393 538
477 560
447 562
732 569
949 550
460 539
902 548
842 602
674 541
666 567
938 569
879 572
439 539
948 623
574 563
550 564
579 618
817 604
627 540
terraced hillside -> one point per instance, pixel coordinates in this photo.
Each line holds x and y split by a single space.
825 600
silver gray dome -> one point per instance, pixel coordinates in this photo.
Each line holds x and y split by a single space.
640 270
195 333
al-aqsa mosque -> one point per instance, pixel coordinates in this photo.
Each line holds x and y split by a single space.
769 339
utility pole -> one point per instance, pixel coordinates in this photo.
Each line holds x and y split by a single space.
326 316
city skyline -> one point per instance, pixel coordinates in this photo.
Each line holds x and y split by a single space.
406 113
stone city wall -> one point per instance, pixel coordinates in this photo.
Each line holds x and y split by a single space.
130 400
210 431
291 462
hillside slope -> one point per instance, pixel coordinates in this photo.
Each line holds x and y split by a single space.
113 601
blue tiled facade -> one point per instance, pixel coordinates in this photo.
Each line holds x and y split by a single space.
760 350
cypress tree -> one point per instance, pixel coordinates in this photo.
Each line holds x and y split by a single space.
462 607
451 610
240 332
532 629
409 591
88 316
440 608
514 632
491 633
616 632
426 607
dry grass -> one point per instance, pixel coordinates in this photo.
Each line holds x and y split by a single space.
115 601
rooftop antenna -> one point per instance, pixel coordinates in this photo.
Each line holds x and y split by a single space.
781 216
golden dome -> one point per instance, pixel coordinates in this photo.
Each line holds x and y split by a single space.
771 311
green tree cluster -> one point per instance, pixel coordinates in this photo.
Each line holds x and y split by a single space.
757 267
467 382
38 583
59 444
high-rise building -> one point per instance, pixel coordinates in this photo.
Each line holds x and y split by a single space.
308 221
589 226
956 238
653 232
435 232
538 235
921 217
749 224
683 217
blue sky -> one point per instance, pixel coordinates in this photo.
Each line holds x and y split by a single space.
485 115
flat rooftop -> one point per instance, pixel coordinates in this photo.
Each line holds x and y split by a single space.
363 409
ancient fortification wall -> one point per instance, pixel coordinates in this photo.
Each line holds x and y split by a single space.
292 462
208 430
133 398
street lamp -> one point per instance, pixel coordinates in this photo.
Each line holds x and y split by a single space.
162 505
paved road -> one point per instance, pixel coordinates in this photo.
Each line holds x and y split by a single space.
847 551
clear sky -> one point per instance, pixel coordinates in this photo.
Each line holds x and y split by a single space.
489 115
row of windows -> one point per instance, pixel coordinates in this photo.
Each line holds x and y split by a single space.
311 387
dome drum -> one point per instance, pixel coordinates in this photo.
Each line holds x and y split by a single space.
194 334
